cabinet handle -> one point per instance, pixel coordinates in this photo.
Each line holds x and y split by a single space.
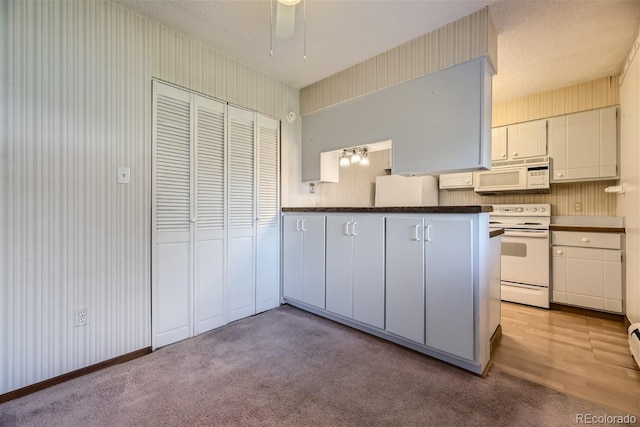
515 154
504 156
298 225
303 221
346 228
559 252
416 229
467 182
354 230
428 236
559 174
584 239
193 220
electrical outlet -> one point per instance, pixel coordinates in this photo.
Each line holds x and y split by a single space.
577 206
82 317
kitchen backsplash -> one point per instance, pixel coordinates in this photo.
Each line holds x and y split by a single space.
563 198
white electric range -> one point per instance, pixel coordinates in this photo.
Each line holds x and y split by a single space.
524 267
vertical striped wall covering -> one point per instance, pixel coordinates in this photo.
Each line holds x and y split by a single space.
562 198
75 103
590 95
467 38
357 183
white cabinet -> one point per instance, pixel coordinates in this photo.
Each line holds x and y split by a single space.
584 146
451 181
528 139
355 267
450 288
588 273
499 143
429 300
303 266
405 278
519 141
330 167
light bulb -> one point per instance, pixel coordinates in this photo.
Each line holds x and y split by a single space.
356 157
365 160
344 160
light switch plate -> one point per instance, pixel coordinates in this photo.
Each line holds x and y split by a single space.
124 175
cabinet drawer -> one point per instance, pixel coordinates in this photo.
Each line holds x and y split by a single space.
586 240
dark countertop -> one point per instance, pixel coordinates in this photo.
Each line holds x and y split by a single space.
398 209
496 233
586 228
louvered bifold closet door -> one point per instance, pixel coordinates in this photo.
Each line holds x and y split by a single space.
171 216
209 233
268 230
241 213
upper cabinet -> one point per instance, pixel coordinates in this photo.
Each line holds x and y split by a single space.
499 144
438 123
528 139
519 141
584 146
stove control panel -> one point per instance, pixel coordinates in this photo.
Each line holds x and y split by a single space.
522 210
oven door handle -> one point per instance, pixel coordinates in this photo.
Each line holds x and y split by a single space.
534 234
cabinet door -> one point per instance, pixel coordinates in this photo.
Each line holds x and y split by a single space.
405 278
456 180
609 142
292 257
583 145
532 139
499 143
449 288
558 148
340 265
368 270
559 274
313 263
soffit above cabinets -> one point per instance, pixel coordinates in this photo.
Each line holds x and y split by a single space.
542 45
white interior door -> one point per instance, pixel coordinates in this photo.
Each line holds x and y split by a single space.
209 231
241 214
268 224
171 204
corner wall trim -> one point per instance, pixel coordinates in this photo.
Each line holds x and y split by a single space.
21 392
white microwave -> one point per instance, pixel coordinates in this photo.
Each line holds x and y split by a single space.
532 178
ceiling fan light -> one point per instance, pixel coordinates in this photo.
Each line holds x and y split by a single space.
285 20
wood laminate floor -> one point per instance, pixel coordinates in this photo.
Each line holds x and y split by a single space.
579 355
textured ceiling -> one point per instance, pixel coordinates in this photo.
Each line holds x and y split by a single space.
542 45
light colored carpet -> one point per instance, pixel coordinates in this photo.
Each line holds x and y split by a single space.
289 367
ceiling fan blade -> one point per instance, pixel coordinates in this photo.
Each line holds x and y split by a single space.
285 20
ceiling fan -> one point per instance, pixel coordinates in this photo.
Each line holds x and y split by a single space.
285 17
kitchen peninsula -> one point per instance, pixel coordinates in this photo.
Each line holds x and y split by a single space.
421 277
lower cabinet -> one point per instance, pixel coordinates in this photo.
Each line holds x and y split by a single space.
303 263
588 273
430 283
419 280
355 267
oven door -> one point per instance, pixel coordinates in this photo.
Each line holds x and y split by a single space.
525 257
